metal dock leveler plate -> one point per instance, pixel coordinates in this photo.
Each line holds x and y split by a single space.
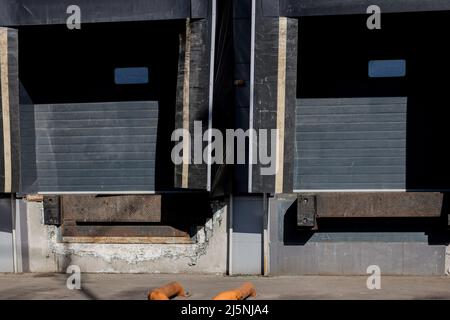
111 208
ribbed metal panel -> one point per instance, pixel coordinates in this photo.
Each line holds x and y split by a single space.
350 144
91 147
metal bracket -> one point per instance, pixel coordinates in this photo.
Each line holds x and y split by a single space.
306 211
52 211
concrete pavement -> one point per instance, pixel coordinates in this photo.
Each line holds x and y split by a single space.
136 286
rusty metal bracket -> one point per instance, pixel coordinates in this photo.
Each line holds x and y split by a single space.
52 212
306 211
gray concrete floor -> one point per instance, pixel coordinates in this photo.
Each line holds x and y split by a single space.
136 286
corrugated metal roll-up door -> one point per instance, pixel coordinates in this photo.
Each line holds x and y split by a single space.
350 144
89 147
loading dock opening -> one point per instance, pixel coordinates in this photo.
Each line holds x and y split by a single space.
355 132
160 218
98 106
72 109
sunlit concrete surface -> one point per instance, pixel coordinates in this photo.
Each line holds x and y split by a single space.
136 286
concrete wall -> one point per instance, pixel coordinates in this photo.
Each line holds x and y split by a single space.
42 250
447 261
348 252
341 253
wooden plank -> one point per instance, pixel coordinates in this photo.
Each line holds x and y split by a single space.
180 102
35 198
2 99
186 96
9 102
123 208
4 81
122 231
380 205
130 240
281 103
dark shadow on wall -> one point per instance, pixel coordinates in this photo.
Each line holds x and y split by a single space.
428 230
5 213
428 100
223 111
292 234
28 176
186 211
24 239
445 212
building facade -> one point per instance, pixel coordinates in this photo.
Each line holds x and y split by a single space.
92 96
